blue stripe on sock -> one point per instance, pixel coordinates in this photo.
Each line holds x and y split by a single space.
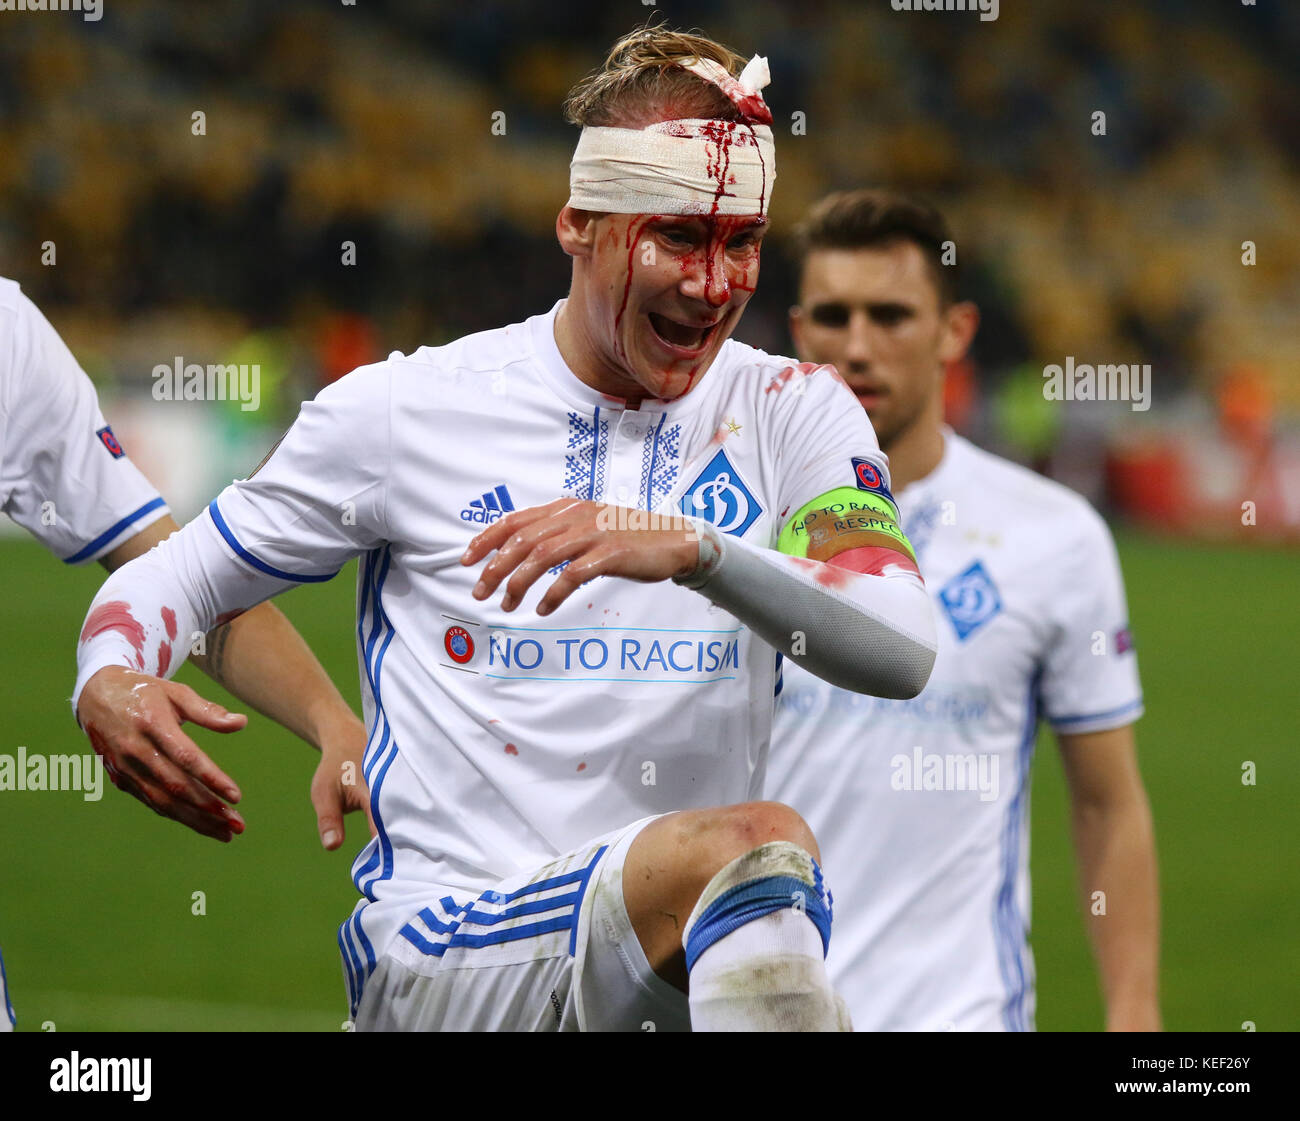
747 902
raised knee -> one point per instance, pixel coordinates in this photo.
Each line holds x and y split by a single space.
752 824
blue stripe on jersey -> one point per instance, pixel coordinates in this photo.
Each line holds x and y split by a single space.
253 562
1008 924
1061 721
112 531
4 985
378 758
351 965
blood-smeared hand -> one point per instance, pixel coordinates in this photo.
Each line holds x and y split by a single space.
134 724
596 540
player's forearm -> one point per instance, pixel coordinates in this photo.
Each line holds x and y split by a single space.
1117 858
148 613
866 633
263 660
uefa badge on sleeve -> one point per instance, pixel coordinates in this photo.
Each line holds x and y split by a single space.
109 441
868 477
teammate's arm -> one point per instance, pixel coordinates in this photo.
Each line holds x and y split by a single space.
1115 844
262 660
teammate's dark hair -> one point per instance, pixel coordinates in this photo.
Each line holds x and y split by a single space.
873 218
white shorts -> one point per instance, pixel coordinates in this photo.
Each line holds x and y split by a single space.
551 949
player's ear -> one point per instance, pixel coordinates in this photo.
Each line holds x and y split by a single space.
576 230
796 331
960 322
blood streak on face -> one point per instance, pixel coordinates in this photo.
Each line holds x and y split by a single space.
115 616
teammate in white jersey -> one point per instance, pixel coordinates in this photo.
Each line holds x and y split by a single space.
65 478
536 719
922 806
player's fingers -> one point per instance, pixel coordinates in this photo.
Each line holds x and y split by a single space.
327 799
168 784
514 551
545 555
492 537
216 826
168 738
597 561
198 710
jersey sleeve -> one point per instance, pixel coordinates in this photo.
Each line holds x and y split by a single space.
319 498
1090 676
66 479
827 443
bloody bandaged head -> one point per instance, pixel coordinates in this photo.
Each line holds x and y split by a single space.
689 166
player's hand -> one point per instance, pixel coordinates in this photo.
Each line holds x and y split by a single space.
339 786
134 724
591 536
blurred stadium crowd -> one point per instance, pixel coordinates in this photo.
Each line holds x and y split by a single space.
374 124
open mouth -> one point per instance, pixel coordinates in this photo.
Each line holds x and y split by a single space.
681 336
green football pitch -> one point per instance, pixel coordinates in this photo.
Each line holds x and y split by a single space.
98 899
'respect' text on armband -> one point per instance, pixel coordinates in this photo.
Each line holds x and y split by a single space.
845 519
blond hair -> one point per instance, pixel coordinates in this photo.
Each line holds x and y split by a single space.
642 82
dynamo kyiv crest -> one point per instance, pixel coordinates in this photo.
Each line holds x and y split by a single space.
719 495
970 599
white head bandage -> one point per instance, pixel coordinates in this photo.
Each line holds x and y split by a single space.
686 166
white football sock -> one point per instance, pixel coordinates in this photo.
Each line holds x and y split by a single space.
758 956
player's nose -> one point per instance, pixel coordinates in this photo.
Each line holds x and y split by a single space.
706 279
857 340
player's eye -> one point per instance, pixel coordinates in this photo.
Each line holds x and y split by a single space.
830 315
889 315
677 238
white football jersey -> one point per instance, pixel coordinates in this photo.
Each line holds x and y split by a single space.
63 475
921 807
499 741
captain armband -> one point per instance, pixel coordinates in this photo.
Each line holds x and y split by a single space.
849 520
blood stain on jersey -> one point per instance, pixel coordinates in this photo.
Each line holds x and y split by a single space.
169 621
582 766
116 616
458 644
164 658
511 749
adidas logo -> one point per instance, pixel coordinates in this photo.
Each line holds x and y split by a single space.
489 508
